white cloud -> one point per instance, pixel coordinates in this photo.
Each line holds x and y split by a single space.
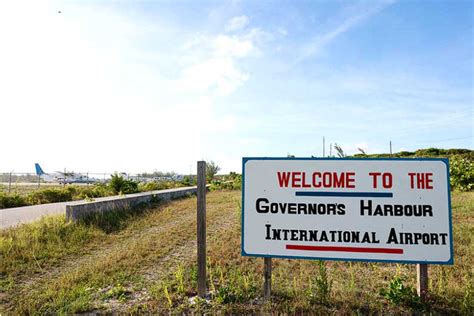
323 39
237 23
213 75
233 46
211 63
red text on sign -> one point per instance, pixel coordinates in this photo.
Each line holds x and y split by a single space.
296 179
421 180
385 177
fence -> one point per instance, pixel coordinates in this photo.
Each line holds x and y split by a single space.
14 180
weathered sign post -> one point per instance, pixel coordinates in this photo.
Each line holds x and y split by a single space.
267 276
385 210
201 227
422 280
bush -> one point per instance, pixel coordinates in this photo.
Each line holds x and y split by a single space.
158 185
188 181
226 185
51 195
121 186
149 186
11 200
430 152
405 154
400 294
93 191
462 173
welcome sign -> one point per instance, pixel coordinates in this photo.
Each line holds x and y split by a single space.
395 210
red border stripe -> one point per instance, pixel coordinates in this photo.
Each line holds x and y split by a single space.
345 249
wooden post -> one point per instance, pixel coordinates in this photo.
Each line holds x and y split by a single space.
201 227
422 280
267 275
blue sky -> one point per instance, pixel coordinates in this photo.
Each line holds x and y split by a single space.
109 86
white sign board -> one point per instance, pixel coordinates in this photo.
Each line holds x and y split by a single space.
395 210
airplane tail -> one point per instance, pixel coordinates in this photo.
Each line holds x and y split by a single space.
39 171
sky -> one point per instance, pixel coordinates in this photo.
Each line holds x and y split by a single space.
135 86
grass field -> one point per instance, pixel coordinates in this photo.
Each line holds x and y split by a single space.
24 189
145 262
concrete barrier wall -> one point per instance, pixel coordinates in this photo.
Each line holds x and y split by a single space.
77 210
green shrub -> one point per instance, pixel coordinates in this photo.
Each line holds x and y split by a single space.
226 185
188 181
158 185
11 200
405 154
462 173
121 186
400 294
93 191
116 183
455 151
129 186
430 152
149 186
51 195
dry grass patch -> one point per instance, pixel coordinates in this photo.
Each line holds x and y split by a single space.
146 263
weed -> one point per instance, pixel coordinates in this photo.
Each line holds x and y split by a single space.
167 295
467 304
352 280
400 294
118 292
193 274
6 283
320 287
179 275
225 295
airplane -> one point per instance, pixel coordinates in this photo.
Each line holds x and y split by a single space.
62 177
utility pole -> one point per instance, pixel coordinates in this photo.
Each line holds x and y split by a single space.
330 149
324 147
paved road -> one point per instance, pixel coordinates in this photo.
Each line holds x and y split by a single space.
26 214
